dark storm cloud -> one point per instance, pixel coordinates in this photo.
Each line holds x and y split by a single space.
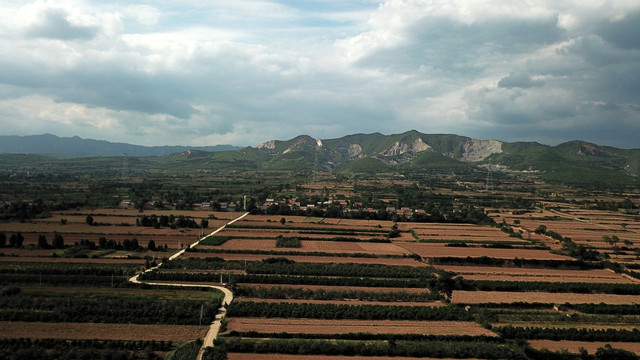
447 45
248 71
623 33
523 81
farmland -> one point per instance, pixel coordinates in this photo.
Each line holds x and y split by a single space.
475 275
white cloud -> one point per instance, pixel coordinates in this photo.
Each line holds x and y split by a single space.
243 72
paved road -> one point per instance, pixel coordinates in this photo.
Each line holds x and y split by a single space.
212 333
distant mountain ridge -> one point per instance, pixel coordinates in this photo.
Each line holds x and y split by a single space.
65 147
577 163
574 162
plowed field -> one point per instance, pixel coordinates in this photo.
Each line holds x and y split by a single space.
313 326
574 346
323 246
427 250
479 297
524 274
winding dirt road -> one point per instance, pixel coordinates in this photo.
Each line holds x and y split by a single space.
212 333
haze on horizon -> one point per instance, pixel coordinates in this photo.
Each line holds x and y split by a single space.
247 71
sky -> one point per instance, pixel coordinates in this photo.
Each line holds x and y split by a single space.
242 72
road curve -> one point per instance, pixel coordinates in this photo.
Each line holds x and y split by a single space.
212 333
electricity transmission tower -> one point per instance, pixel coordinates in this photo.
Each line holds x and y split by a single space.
489 182
124 166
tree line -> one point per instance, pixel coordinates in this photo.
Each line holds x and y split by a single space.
107 309
53 349
335 311
433 349
584 334
277 292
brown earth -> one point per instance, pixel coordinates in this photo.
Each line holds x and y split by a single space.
574 346
321 326
322 246
479 297
528 274
427 250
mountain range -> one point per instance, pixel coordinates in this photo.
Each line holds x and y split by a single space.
70 147
574 162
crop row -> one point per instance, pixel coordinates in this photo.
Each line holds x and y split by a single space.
311 230
283 266
534 333
287 279
554 287
333 311
436 349
45 349
303 253
276 292
365 336
625 309
76 280
516 262
62 268
107 309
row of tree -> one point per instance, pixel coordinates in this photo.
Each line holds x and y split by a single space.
53 349
171 221
583 334
430 349
548 286
335 311
277 292
107 309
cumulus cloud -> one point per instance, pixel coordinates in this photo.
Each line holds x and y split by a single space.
244 72
519 81
55 25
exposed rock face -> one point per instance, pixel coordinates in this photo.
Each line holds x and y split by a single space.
478 150
269 145
306 140
585 149
419 145
400 148
350 150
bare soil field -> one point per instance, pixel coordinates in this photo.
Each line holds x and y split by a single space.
311 245
252 356
39 330
574 346
527 274
343 302
479 297
343 288
469 232
432 250
321 326
314 259
273 233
